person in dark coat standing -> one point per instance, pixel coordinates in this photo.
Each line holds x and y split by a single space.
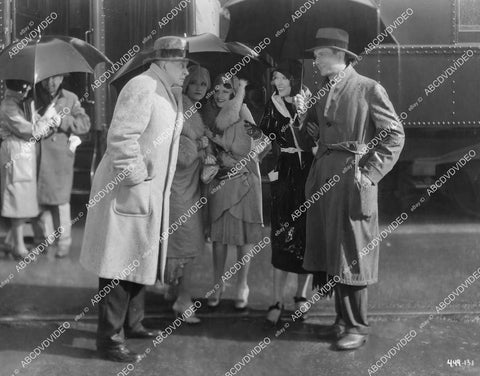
288 188
56 158
359 140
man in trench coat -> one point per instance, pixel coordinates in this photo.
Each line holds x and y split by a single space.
359 140
129 200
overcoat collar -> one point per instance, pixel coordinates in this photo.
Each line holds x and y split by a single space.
337 90
163 78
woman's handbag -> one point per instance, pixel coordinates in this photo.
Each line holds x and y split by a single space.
210 169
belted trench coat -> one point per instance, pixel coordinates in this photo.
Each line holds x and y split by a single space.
360 134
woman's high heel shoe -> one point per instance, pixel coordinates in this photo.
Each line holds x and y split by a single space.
300 302
274 314
242 298
18 253
180 312
214 299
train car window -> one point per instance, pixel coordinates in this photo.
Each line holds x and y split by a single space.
468 21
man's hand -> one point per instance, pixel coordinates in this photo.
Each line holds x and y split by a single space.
313 130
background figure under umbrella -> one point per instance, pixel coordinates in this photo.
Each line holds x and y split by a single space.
293 145
188 240
18 161
46 59
57 156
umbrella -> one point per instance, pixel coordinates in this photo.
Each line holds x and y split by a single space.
48 56
206 49
203 43
248 22
292 31
241 60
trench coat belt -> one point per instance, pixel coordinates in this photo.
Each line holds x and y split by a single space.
353 147
291 150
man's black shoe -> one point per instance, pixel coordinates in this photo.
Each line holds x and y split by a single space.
142 333
120 354
334 331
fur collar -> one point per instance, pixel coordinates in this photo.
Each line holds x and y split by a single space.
231 112
193 126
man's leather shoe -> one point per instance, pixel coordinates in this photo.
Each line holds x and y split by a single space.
333 331
142 333
120 354
351 341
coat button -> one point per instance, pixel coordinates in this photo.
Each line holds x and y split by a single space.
329 124
326 180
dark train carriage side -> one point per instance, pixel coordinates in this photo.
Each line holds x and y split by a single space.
114 27
442 125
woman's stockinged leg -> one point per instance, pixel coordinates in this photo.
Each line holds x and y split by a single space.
302 285
19 248
185 286
184 299
301 295
219 260
219 252
242 274
279 282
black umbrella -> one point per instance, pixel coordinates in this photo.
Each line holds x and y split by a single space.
203 43
210 52
292 25
48 56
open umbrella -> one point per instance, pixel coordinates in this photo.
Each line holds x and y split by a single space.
206 49
203 43
47 56
292 26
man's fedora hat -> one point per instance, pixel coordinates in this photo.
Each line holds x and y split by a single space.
171 48
329 37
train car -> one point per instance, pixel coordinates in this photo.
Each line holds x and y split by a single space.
432 78
115 27
434 81
442 119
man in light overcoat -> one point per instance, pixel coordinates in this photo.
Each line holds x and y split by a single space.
129 201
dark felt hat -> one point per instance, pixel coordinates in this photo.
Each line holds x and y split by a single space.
330 37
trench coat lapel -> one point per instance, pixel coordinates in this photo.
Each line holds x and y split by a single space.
336 91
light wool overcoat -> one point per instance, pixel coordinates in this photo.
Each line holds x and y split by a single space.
123 226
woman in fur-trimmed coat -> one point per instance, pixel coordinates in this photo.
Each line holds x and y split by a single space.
235 195
188 240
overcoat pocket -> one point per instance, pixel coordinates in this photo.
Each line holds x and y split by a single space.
134 200
363 199
21 169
